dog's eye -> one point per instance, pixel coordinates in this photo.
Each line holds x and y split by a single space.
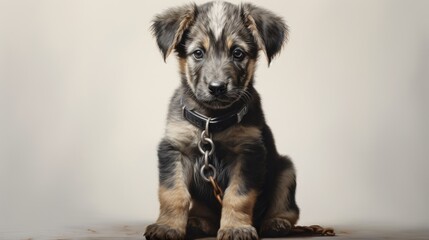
198 54
238 54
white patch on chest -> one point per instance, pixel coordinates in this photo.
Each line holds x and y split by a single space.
217 18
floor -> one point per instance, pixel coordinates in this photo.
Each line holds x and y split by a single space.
135 231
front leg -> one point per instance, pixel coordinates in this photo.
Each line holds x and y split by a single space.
240 197
174 196
236 221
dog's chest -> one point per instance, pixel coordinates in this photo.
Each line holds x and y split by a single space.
222 161
228 144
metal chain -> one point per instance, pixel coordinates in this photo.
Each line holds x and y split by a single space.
206 139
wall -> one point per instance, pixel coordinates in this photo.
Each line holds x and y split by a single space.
84 92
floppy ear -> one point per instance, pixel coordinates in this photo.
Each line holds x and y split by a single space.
269 30
169 27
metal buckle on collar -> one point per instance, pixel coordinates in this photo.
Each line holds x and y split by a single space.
241 114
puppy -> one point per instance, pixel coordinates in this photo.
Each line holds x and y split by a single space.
216 134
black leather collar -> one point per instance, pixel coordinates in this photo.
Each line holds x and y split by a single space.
216 124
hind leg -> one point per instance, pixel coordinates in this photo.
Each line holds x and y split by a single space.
202 221
282 212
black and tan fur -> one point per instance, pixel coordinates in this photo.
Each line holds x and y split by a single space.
220 42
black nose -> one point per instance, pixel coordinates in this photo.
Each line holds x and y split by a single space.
217 88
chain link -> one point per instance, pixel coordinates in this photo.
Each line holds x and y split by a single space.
203 170
206 141
217 191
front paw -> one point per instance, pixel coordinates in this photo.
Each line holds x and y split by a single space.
244 233
163 232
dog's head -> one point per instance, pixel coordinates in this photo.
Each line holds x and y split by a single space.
217 45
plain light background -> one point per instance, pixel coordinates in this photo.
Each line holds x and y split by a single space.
84 94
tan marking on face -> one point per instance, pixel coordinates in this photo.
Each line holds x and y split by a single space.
237 209
234 39
182 65
201 40
278 207
229 42
182 134
184 69
175 202
206 43
251 67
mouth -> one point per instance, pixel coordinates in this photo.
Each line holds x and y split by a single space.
218 102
